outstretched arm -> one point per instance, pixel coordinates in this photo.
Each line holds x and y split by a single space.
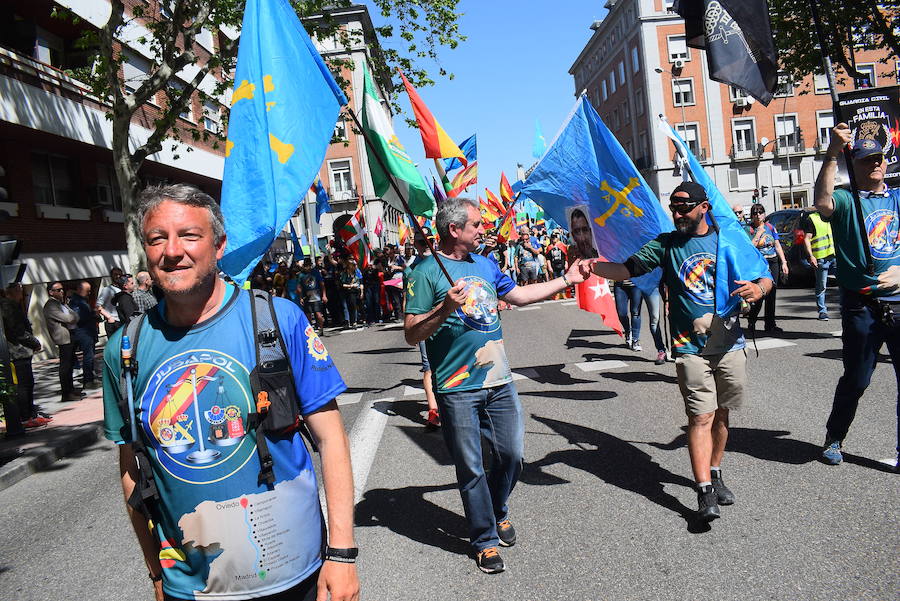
578 272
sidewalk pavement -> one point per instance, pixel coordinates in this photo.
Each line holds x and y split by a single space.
76 425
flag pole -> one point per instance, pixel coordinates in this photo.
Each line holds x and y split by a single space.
313 241
415 222
848 160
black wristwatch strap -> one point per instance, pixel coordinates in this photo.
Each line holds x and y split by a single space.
341 555
154 578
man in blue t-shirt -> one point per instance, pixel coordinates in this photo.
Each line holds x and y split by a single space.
710 361
460 325
215 530
870 302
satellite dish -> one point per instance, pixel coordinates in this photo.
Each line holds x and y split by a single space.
764 140
750 100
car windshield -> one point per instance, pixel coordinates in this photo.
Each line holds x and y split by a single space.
784 221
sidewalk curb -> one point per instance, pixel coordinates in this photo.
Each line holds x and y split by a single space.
34 460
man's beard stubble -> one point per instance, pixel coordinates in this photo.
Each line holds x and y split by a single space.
686 225
204 280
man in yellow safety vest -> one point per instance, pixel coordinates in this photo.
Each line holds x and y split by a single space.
820 249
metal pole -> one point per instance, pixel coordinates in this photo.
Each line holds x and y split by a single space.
415 222
313 240
848 160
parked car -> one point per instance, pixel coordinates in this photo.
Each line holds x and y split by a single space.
789 225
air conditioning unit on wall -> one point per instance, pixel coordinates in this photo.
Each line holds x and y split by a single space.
741 102
678 64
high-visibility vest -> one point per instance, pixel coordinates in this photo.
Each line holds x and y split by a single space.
822 243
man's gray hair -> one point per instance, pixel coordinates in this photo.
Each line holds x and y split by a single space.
184 194
453 210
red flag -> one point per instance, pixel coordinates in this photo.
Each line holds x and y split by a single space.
353 233
495 202
506 192
379 226
435 140
595 296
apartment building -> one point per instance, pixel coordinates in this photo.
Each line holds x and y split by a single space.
636 66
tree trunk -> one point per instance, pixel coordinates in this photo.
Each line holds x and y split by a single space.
129 186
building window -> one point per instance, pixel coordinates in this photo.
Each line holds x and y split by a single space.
615 118
677 48
51 176
626 113
824 125
340 131
341 179
689 132
108 195
868 79
135 70
683 92
639 101
669 4
736 93
744 138
820 83
603 91
785 86
635 60
787 132
212 118
621 70
612 83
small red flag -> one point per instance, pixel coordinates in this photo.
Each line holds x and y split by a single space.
595 296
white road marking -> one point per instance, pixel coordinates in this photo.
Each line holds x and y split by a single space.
837 334
529 308
393 326
411 390
889 462
364 440
354 330
349 398
770 343
528 373
569 302
600 365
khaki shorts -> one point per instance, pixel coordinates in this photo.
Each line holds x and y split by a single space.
710 382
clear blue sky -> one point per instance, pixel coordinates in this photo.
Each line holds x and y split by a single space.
512 70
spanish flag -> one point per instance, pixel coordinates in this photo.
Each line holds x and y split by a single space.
438 145
506 192
492 199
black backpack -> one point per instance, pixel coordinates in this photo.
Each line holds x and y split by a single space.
557 258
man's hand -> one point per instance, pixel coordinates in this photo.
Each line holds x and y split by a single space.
578 271
784 267
456 296
889 280
840 137
339 579
814 262
490 241
749 291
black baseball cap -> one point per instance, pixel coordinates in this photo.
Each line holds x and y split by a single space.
426 231
696 193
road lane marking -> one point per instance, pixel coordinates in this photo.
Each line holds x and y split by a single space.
770 343
530 308
364 439
568 303
837 334
600 365
349 398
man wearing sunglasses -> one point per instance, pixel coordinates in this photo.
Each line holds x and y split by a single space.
710 360
870 303
60 321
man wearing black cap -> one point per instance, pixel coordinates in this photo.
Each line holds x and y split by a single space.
710 357
870 303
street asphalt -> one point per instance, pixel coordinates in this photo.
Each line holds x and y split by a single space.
604 508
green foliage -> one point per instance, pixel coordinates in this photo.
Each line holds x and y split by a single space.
860 23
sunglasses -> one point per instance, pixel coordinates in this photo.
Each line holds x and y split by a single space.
758 212
56 290
683 208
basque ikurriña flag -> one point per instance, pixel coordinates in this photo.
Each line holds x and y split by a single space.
283 110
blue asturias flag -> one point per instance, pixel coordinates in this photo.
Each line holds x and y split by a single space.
322 205
283 111
298 246
586 167
736 257
469 148
540 144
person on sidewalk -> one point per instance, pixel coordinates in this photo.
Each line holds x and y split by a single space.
460 325
60 321
870 304
142 293
105 304
219 526
85 334
819 246
22 345
710 359
126 308
765 238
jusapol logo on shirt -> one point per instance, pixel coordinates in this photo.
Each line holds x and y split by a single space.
883 228
697 273
479 311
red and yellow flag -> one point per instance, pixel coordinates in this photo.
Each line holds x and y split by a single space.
498 206
438 145
506 192
463 180
489 214
403 231
507 230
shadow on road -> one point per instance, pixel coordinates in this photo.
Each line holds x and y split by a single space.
767 445
640 376
384 351
614 461
550 374
573 395
408 513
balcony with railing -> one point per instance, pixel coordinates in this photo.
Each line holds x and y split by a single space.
790 144
742 152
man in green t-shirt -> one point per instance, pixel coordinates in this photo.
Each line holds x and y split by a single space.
460 325
870 302
710 361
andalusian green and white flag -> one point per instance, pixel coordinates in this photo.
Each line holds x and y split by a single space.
381 134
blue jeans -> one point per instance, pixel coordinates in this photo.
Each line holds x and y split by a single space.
85 342
863 336
822 269
654 301
628 306
373 304
496 414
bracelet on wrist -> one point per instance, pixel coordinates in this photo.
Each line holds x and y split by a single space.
154 578
566 280
830 158
341 555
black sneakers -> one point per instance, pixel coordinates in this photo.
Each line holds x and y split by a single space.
489 561
726 497
707 503
507 533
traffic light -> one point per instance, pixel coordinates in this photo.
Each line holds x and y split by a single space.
764 191
11 272
755 194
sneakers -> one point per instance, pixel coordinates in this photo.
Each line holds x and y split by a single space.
507 533
660 358
707 503
433 421
489 561
628 341
823 316
726 497
636 346
36 422
831 452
